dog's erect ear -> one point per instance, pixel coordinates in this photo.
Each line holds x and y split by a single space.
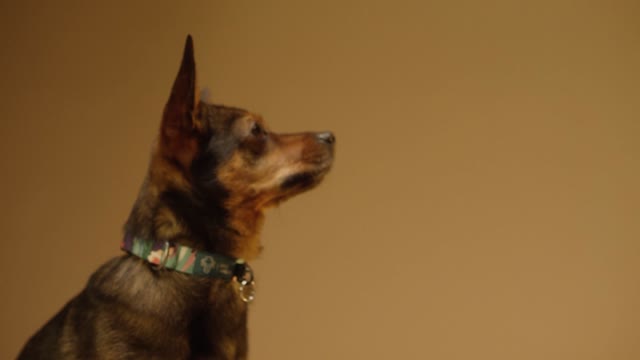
179 121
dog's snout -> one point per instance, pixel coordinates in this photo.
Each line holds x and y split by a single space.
326 137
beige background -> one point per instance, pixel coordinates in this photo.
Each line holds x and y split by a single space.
484 203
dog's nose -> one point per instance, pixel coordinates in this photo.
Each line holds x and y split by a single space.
326 137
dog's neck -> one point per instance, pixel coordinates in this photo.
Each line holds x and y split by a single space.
181 215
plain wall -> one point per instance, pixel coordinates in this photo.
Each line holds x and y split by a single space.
485 199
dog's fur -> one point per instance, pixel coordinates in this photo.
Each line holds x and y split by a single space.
213 172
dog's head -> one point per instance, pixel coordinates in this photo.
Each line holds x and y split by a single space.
220 151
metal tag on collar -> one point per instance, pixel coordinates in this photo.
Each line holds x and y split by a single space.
246 284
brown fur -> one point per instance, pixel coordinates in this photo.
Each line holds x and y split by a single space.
212 174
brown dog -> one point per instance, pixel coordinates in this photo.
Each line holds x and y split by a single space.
181 290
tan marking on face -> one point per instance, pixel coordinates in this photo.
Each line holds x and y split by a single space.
278 164
242 127
255 182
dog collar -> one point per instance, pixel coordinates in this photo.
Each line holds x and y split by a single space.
171 256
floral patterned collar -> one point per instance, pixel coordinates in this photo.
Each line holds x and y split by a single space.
166 255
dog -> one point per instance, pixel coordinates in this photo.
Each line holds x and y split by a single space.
181 289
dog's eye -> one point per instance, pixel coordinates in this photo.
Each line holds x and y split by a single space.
257 130
256 142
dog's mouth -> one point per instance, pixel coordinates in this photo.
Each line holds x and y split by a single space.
309 177
302 181
309 169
